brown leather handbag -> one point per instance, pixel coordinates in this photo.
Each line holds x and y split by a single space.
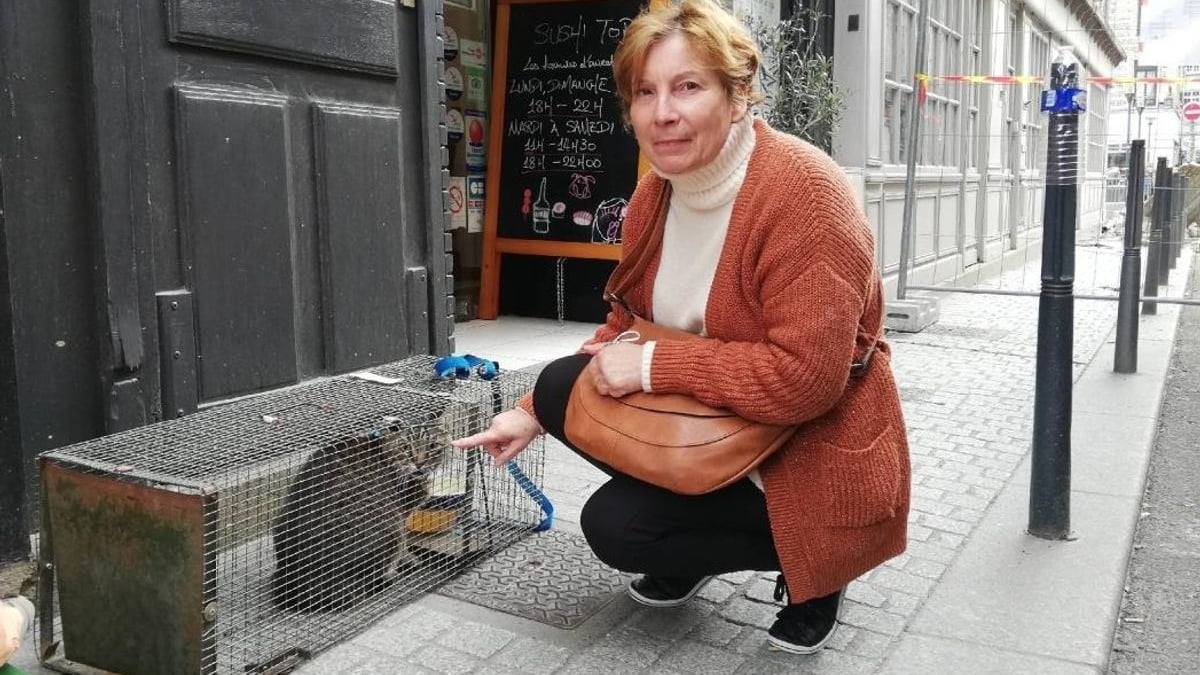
670 440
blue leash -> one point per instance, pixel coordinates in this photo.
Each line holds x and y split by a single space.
461 368
535 494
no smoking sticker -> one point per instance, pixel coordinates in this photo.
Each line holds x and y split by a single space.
457 202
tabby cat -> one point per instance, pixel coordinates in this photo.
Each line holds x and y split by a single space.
340 536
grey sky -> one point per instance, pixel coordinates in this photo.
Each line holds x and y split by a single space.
1169 29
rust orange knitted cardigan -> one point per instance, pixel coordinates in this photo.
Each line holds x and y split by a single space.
796 298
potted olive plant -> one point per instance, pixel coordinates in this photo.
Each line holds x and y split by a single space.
797 77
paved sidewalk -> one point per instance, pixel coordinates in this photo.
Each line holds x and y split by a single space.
973 593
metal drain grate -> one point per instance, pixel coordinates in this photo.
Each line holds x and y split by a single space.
552 578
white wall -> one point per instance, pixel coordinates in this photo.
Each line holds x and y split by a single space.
858 69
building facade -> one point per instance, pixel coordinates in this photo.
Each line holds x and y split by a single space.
981 147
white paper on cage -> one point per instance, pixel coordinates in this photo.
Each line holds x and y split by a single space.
375 377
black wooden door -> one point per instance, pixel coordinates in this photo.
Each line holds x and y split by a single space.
266 193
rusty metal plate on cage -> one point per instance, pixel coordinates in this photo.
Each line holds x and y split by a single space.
128 555
551 577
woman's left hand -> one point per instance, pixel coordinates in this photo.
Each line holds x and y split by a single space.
616 367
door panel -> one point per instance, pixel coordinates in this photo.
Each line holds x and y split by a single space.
236 212
358 170
350 34
291 201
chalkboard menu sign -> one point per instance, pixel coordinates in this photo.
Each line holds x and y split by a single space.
561 165
567 164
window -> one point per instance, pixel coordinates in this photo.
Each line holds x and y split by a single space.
1038 64
899 45
974 40
941 144
1012 112
941 125
1150 93
1096 132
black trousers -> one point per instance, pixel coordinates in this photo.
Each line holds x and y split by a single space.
641 528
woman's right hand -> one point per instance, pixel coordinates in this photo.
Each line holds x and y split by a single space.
511 431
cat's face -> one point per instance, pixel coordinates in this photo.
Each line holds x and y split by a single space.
417 451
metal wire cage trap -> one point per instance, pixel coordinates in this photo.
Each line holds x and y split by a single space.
248 537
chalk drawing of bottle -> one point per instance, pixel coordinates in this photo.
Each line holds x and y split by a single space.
541 211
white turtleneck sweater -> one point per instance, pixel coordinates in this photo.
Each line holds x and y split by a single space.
698 216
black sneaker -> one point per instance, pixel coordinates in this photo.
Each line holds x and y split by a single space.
806 627
665 591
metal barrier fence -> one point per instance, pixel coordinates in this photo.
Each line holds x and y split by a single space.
1115 188
975 148
1008 268
982 233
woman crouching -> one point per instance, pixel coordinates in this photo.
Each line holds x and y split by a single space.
766 256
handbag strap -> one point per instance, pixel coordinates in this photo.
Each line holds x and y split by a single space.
859 368
633 264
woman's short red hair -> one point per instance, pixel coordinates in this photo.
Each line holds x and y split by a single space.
715 37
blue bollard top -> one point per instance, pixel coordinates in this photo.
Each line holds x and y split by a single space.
1064 94
1058 101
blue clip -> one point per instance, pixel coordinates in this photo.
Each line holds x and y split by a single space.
462 367
486 369
1066 100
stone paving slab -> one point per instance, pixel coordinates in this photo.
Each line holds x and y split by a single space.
922 654
1106 458
1015 592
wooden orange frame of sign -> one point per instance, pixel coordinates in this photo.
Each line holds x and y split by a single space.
494 246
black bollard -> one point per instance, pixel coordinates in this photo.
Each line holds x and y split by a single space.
1164 230
1180 218
1186 191
1154 247
1126 354
1176 218
1050 483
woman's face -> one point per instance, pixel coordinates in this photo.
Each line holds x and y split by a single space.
680 112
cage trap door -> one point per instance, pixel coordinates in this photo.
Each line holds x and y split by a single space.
130 563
